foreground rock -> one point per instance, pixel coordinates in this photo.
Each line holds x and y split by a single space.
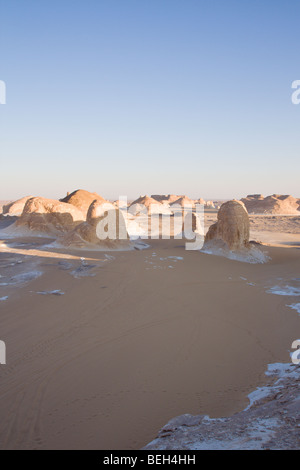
271 422
49 216
82 199
275 204
232 226
105 227
16 207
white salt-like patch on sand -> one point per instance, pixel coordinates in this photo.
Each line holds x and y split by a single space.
285 290
253 255
277 369
51 292
261 430
109 257
152 261
84 270
13 231
22 278
295 307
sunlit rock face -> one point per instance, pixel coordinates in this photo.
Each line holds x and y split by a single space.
275 204
49 216
16 207
232 227
105 227
82 199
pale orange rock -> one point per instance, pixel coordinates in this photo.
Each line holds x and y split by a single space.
232 227
149 205
184 201
275 204
82 199
105 227
49 215
16 207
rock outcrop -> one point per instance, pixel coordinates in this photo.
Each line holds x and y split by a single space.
49 216
15 208
184 201
82 199
275 204
166 198
232 226
146 204
105 227
271 421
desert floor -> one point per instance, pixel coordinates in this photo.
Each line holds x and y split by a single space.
137 338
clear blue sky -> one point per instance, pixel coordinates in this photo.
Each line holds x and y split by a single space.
149 96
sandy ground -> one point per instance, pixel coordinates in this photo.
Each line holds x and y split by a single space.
271 421
136 338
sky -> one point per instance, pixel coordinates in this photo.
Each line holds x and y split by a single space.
130 97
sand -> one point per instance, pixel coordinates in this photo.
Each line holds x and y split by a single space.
134 339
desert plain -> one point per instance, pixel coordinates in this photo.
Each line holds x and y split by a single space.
105 345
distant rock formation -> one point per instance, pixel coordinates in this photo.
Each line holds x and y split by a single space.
82 199
184 201
15 207
147 203
166 198
232 227
49 215
275 204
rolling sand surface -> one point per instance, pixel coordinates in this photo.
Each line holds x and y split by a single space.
134 340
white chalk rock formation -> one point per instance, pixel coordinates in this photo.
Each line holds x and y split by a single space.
82 199
275 204
232 226
15 208
49 216
146 204
105 227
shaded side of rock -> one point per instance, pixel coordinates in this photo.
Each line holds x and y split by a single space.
232 226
